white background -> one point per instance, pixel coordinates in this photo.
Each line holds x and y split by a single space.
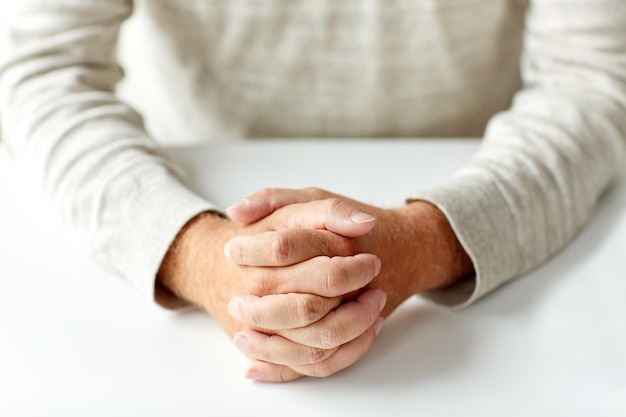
76 340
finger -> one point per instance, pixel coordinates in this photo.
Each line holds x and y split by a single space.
286 247
344 357
342 325
281 311
265 202
333 214
278 350
324 276
269 372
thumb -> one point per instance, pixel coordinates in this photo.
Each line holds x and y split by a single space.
333 214
303 209
265 202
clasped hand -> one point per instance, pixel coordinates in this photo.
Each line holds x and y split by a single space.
330 320
302 279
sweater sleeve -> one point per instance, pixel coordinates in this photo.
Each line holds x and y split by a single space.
545 162
62 121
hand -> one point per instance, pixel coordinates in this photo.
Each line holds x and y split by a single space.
418 249
417 246
308 334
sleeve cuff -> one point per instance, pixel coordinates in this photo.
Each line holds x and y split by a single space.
485 226
152 219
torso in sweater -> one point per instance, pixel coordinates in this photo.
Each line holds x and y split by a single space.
216 69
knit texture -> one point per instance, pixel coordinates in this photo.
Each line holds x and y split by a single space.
543 81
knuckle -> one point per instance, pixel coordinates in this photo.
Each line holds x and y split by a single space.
256 318
296 222
333 279
329 338
332 204
271 196
279 248
304 310
313 191
264 192
316 355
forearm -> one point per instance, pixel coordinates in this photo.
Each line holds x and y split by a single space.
62 121
545 162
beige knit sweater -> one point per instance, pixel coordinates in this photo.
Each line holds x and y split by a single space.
224 69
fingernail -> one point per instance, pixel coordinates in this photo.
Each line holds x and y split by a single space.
377 266
242 343
227 251
360 217
234 308
378 325
383 301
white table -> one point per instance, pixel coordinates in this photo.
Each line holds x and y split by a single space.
78 341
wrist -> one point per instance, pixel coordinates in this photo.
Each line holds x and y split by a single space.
442 258
178 271
419 252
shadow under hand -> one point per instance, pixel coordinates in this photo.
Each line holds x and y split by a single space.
419 343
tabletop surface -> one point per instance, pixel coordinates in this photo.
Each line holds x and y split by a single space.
76 340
